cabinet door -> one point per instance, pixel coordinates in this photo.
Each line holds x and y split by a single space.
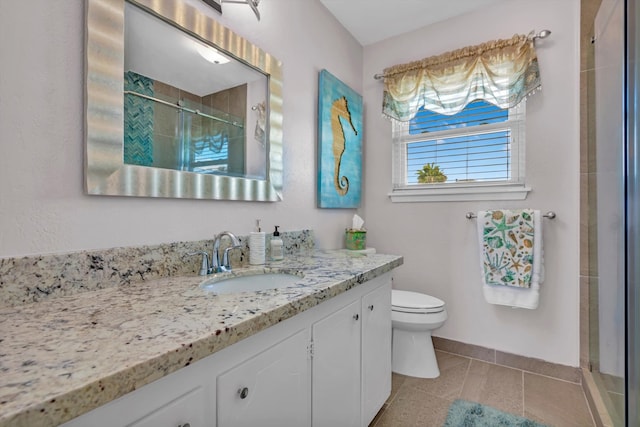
186 410
179 399
271 389
336 369
376 351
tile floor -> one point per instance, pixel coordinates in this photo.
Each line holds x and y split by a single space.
614 389
425 402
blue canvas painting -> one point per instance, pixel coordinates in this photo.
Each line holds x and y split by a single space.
339 144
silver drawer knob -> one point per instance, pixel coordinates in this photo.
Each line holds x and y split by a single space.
356 316
371 307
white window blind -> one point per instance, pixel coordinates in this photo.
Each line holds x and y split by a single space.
458 121
482 146
210 154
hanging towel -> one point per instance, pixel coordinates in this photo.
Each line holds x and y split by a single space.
261 122
511 256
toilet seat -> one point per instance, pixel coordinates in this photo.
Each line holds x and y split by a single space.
415 302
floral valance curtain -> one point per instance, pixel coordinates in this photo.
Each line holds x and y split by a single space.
502 72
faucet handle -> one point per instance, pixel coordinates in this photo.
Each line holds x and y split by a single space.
204 267
226 263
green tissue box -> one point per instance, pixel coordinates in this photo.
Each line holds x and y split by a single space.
355 239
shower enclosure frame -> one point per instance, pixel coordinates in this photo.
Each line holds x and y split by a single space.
632 213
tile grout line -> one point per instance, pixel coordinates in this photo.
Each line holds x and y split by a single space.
381 415
522 373
464 380
390 402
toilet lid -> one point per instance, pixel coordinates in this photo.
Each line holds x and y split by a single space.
415 302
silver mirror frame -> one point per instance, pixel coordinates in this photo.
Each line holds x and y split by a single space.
105 171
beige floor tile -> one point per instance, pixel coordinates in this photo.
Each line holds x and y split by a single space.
617 400
555 402
396 382
415 408
613 384
378 415
463 349
567 373
494 385
448 385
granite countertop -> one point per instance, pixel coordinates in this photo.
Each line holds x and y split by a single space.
63 357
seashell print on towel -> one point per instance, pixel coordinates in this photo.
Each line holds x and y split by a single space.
507 247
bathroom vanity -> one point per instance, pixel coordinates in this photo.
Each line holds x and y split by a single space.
165 353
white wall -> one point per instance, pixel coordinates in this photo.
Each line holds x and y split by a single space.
43 208
42 205
438 242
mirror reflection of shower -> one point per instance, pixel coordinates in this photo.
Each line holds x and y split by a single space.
187 135
187 105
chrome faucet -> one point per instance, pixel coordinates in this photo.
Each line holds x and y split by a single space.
205 267
216 265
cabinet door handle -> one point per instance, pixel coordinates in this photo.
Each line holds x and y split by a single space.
356 316
371 307
243 392
185 425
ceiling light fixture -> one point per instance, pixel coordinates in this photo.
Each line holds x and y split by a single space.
210 54
253 4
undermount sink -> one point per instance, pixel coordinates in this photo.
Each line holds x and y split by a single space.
259 281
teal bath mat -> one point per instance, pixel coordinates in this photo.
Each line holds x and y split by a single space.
471 414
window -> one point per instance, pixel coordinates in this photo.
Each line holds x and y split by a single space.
458 122
479 150
210 154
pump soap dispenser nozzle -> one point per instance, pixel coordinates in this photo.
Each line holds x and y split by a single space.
277 247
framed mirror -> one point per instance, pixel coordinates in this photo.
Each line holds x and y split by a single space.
178 106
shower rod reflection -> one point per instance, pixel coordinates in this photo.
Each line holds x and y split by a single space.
181 108
541 35
550 215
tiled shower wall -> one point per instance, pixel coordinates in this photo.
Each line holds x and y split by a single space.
588 211
158 144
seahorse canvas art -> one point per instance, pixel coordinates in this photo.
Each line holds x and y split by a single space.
340 110
339 144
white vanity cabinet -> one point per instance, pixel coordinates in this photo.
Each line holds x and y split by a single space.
272 389
352 360
181 399
327 366
336 368
187 410
376 351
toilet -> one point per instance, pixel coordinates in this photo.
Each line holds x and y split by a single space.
413 316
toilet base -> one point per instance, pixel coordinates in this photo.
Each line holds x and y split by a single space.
413 354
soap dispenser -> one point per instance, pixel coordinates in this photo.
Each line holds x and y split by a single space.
277 247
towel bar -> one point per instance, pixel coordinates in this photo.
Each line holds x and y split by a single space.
550 215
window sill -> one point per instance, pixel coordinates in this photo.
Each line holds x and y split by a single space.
454 193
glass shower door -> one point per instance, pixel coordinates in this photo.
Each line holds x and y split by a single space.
607 334
632 179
